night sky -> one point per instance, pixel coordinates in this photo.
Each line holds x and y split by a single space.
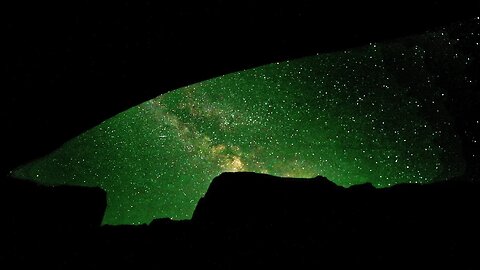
378 114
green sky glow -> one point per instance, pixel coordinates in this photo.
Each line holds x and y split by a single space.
372 114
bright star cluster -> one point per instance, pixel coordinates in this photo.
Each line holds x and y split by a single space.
371 114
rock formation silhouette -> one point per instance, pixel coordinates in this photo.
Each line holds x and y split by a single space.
251 220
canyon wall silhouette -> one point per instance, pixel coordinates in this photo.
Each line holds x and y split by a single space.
249 220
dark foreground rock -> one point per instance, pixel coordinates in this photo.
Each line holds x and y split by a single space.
45 225
28 205
251 220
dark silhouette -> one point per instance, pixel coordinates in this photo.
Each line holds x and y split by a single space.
45 225
252 220
63 207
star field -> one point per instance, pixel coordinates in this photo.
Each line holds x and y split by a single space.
372 114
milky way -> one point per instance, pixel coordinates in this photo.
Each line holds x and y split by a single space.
371 114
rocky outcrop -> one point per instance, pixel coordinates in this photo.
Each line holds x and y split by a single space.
29 205
249 220
238 197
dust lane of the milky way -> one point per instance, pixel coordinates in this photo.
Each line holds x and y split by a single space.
371 114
